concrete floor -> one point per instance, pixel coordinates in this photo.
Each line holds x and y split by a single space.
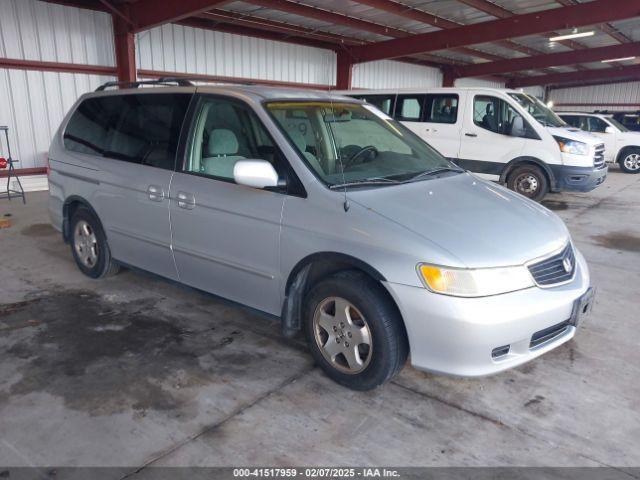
134 371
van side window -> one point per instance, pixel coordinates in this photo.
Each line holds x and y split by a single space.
409 108
382 102
493 114
138 128
442 109
226 131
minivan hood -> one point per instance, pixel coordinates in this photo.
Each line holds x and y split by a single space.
573 133
479 223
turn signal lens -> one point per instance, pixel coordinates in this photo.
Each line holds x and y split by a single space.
479 282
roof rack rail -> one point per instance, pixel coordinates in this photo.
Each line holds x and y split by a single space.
181 82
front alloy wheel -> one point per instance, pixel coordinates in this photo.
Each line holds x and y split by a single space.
355 331
342 334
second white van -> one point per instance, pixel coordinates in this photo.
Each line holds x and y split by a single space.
503 135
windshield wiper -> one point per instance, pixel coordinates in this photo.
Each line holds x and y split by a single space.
435 171
366 181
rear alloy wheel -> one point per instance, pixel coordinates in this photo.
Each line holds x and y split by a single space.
89 245
355 331
630 161
530 181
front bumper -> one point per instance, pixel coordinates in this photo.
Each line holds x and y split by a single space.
577 179
457 336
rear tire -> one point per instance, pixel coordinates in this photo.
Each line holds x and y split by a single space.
355 331
630 160
528 180
89 245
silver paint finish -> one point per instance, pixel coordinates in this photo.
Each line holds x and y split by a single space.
243 243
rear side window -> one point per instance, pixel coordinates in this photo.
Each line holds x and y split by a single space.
382 102
140 128
409 108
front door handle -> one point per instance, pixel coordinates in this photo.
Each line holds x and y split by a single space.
471 134
156 194
186 200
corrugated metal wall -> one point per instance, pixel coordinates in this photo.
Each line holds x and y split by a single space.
478 82
175 48
34 103
597 97
390 74
32 30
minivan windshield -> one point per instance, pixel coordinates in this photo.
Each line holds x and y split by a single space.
538 110
354 144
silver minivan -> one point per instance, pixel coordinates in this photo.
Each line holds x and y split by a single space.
322 211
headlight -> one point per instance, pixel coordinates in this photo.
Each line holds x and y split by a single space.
572 146
480 282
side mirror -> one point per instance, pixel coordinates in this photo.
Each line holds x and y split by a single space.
255 173
609 129
517 127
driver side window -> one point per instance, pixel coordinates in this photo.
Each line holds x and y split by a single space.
495 115
225 132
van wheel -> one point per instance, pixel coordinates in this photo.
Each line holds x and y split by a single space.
89 246
630 161
354 331
528 180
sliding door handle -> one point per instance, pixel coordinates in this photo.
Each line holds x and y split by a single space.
186 200
470 134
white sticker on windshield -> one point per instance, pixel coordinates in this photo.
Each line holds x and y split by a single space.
376 112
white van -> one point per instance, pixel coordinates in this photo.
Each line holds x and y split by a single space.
504 135
621 144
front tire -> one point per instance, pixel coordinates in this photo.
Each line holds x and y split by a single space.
630 161
355 331
528 180
89 245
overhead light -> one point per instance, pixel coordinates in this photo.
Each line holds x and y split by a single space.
550 104
569 36
622 59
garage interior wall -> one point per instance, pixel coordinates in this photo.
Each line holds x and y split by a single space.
392 74
35 102
177 48
614 96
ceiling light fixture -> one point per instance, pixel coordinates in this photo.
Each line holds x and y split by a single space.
622 59
569 36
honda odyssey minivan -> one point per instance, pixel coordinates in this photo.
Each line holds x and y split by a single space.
324 212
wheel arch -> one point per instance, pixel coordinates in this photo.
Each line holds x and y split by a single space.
309 271
70 205
527 160
624 151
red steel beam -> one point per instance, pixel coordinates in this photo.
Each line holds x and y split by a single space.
351 22
605 27
125 49
595 12
16 64
151 13
344 70
23 172
549 60
603 75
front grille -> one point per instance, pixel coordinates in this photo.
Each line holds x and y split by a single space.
598 159
556 269
548 333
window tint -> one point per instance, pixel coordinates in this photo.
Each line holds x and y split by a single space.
382 102
577 121
597 125
494 114
226 131
409 108
141 128
442 109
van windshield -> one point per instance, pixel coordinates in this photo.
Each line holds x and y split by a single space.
538 110
355 144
